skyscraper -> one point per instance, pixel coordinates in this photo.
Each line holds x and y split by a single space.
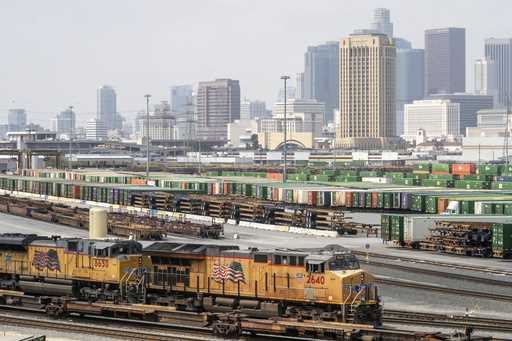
367 91
218 103
409 81
299 91
321 76
445 60
106 102
181 96
65 123
500 50
381 22
250 110
486 81
16 119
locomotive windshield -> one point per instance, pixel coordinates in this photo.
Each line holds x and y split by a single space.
344 262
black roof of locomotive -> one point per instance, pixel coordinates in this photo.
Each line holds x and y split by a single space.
18 241
186 248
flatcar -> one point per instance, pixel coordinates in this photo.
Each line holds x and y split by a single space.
324 283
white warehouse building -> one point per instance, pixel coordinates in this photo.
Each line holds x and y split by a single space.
437 118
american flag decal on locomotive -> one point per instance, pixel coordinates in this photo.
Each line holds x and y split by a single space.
234 272
46 260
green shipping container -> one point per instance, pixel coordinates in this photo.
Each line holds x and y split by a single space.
499 209
441 176
507 209
418 203
487 208
397 228
423 167
380 200
501 185
467 207
502 239
441 167
487 170
431 204
385 227
388 200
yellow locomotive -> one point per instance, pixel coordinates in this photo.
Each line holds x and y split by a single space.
94 268
321 283
309 283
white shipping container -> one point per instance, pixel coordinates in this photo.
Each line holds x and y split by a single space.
376 180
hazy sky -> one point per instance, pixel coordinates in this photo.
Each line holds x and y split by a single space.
57 52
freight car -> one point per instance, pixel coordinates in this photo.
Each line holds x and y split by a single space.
318 284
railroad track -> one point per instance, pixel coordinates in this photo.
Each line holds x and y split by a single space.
442 289
437 273
492 271
99 330
450 321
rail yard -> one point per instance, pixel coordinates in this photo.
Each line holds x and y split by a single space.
417 253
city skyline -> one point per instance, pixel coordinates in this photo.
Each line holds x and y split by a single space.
135 63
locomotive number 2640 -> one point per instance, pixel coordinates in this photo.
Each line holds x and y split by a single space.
312 279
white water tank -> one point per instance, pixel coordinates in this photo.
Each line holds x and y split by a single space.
98 220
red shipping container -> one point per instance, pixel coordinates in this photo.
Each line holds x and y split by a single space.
464 169
375 199
312 198
442 205
76 192
349 199
225 188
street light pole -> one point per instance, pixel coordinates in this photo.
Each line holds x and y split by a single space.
70 134
147 136
285 147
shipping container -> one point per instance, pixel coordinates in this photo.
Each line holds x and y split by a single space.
487 169
502 240
440 167
385 227
463 169
397 228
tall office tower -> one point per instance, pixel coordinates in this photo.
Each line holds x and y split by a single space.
500 50
106 101
181 96
95 130
16 119
218 103
299 91
321 76
409 81
367 92
486 80
381 22
250 110
445 60
65 123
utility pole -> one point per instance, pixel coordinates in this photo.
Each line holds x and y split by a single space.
70 134
285 146
147 136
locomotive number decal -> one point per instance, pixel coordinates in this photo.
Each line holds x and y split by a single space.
312 279
46 260
100 263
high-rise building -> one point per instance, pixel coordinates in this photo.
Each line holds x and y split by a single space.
500 50
409 81
436 118
186 121
470 104
367 92
106 102
181 96
299 79
381 22
161 123
291 92
445 60
218 103
96 130
16 119
250 110
321 76
65 123
486 81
